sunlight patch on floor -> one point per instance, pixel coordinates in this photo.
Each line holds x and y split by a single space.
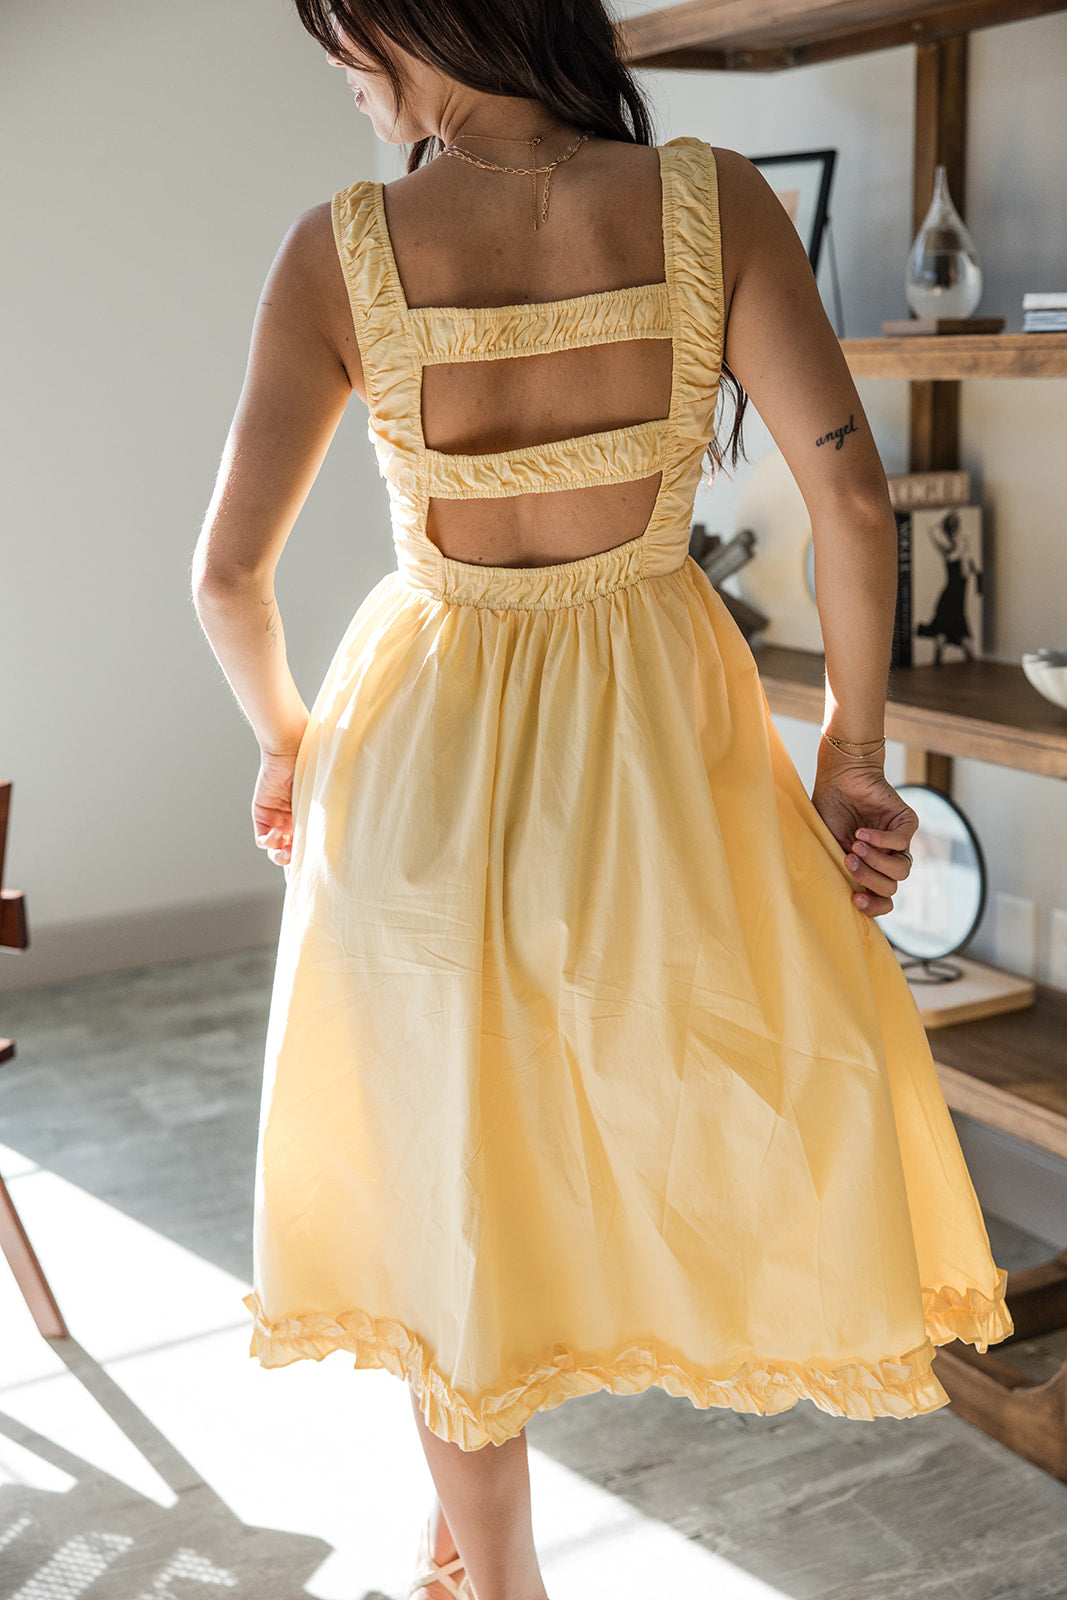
310 1474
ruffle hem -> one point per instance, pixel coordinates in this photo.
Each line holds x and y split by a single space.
899 1386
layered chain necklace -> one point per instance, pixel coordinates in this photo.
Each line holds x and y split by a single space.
533 170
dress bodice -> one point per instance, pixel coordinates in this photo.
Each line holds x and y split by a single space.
396 341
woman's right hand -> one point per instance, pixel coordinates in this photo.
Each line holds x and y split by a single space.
272 805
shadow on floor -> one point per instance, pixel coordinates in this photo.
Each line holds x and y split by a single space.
105 1537
142 1088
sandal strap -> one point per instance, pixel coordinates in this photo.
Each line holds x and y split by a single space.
443 1576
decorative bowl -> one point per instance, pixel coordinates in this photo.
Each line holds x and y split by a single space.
1047 671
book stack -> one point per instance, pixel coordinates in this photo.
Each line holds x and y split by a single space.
1045 313
939 569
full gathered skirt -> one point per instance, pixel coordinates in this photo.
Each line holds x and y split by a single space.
583 1071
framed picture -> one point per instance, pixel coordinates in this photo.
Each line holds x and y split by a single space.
802 183
940 585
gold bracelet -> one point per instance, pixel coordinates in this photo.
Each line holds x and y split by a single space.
867 746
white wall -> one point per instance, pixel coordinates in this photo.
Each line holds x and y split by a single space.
162 152
1012 432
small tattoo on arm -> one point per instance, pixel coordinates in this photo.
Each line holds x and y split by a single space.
272 619
839 433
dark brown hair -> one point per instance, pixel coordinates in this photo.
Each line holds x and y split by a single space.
560 53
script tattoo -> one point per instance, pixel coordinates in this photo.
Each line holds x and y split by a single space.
272 619
839 433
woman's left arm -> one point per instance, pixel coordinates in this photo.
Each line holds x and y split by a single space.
782 349
295 392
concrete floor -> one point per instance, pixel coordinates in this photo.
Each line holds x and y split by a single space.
148 1458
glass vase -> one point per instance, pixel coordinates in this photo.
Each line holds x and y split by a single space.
944 278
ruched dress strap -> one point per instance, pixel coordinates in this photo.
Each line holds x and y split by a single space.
693 261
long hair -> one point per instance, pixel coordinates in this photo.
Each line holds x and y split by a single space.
561 53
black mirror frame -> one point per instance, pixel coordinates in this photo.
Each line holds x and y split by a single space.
904 789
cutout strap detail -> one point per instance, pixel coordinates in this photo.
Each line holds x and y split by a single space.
396 341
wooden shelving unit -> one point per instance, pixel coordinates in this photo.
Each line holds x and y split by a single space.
770 35
1010 1072
982 710
961 355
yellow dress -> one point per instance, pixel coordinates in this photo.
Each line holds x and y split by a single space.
583 1071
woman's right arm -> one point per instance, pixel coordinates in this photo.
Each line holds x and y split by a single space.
303 365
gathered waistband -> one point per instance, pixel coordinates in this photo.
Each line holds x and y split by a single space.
541 588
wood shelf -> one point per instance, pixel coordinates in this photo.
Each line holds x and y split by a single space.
1010 1072
770 35
959 355
983 710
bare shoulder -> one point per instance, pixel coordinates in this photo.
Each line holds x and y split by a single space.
308 276
752 219
307 254
744 193
313 231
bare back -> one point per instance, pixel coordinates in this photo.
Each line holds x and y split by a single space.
465 238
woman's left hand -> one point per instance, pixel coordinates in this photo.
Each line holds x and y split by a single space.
272 806
872 823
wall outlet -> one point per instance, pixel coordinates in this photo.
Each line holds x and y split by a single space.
1015 935
1057 955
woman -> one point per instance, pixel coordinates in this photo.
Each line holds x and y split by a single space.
587 1064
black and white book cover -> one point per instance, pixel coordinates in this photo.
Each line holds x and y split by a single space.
939 586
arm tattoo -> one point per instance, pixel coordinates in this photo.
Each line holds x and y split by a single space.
272 619
839 433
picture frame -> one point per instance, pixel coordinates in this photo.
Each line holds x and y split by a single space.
802 181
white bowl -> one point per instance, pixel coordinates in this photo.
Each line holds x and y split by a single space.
1047 671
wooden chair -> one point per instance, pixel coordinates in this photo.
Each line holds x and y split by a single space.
13 1241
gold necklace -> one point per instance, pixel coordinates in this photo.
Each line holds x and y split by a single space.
534 170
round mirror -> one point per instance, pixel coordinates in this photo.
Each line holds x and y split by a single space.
939 904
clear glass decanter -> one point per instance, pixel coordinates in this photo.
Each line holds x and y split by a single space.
944 278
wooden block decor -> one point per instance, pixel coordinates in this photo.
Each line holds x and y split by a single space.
980 991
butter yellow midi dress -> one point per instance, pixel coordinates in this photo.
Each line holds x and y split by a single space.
583 1071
